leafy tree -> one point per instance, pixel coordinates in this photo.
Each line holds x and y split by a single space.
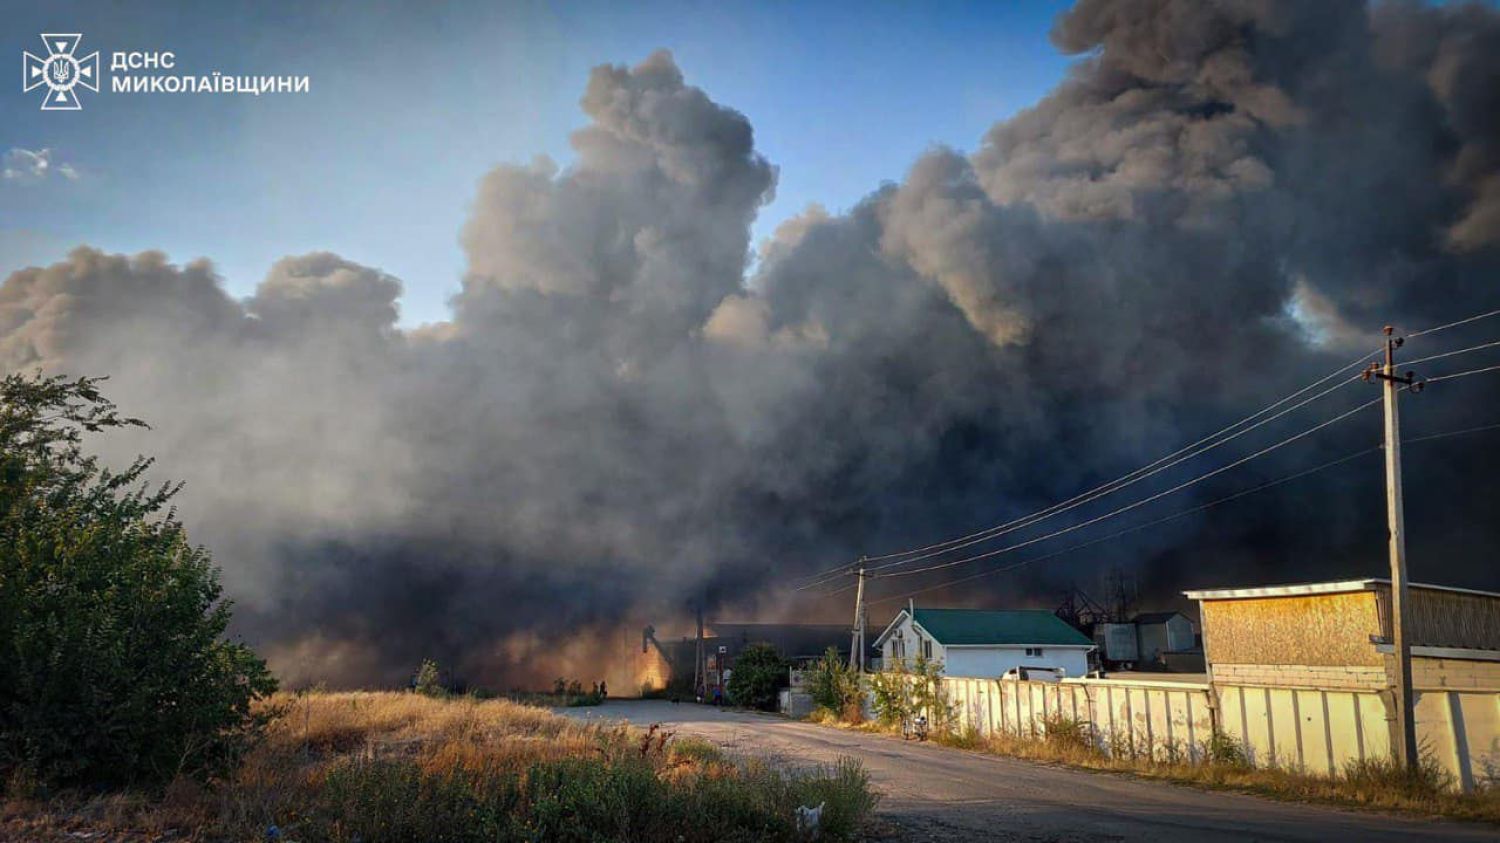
834 685
758 672
113 664
898 694
890 695
929 695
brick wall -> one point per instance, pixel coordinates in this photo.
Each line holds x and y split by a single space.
1327 677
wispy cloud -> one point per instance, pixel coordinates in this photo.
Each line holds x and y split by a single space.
25 166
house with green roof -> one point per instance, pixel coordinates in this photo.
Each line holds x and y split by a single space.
985 642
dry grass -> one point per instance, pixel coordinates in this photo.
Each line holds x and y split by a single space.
386 766
1372 784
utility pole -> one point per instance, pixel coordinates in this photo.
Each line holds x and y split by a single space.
857 645
1396 523
700 668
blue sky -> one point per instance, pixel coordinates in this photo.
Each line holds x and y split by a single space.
411 105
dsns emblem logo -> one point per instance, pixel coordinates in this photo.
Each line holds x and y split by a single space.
61 71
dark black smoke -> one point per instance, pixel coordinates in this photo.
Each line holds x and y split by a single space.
1222 202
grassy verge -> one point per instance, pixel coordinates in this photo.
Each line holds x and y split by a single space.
1373 783
379 767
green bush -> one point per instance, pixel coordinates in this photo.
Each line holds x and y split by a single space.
834 685
759 672
113 664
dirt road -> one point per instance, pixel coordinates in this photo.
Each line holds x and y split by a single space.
936 793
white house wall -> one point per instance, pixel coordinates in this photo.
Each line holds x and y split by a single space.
913 638
995 661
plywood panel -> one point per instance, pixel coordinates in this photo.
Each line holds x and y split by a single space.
1320 629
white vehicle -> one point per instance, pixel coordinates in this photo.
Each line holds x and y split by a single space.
1034 674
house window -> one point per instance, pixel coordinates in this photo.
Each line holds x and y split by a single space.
1033 652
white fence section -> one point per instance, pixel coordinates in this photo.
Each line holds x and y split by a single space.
1168 719
1322 731
1308 729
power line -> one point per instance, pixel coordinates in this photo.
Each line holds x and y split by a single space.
908 556
829 575
1455 324
1173 517
1128 476
1184 513
1169 461
1462 374
1179 487
1479 347
1479 429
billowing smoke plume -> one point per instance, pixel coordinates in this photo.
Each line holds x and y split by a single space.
1221 202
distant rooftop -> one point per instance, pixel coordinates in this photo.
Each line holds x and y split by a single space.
1337 587
978 627
1156 617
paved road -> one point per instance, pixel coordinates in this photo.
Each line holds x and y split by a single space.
936 793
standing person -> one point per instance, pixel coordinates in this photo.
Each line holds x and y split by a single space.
603 690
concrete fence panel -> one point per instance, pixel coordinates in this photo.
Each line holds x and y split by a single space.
1315 730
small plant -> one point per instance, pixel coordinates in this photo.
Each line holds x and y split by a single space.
1427 779
1069 733
1224 751
428 681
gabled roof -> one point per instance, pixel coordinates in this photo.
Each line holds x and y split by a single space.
981 627
1149 618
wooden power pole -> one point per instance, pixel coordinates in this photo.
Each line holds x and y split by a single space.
1396 524
857 645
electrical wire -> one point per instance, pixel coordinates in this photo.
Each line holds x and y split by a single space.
1169 461
1186 512
939 548
1429 357
1455 324
1461 374
1128 477
1179 487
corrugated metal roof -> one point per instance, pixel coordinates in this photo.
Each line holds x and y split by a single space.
1338 587
971 627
